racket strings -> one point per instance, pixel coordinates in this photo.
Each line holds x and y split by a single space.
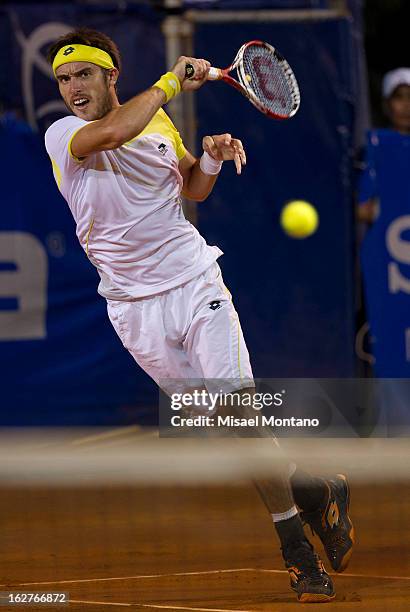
270 79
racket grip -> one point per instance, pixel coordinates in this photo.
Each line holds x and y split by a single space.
215 74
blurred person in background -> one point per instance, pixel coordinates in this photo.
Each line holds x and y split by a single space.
378 179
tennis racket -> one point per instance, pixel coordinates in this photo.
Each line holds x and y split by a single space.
263 76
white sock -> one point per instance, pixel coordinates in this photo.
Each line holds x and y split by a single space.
284 516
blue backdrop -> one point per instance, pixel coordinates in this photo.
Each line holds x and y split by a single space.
385 251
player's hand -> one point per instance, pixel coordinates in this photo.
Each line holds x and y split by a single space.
223 147
201 68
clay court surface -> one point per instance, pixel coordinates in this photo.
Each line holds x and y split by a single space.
189 548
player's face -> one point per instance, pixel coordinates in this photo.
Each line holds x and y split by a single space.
85 89
399 108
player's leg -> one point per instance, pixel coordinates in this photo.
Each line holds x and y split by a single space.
308 576
324 504
216 348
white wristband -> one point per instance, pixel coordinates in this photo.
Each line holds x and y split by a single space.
209 165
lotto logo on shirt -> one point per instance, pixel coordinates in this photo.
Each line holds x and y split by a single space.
162 148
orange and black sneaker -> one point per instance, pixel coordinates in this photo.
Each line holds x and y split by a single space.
331 522
308 577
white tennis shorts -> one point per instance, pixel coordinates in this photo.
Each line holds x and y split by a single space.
191 332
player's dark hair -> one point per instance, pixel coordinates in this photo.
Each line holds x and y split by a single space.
86 36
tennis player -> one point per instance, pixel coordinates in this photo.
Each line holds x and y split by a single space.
122 169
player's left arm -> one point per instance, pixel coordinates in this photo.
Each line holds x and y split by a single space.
200 174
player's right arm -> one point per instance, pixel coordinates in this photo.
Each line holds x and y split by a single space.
125 122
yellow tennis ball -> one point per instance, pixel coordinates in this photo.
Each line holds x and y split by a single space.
299 219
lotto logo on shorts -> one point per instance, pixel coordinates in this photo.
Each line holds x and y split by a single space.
215 305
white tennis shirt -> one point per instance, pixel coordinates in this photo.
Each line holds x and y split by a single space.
127 208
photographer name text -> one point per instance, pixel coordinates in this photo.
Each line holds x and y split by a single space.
231 421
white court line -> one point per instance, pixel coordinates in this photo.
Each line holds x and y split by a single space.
157 606
185 608
139 577
341 575
100 603
201 573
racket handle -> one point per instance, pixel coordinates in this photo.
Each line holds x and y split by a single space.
215 74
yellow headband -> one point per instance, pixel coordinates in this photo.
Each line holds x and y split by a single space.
82 53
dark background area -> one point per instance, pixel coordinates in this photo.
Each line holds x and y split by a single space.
386 29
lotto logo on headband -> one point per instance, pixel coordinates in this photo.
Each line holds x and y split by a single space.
68 51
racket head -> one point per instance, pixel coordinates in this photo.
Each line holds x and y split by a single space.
266 79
